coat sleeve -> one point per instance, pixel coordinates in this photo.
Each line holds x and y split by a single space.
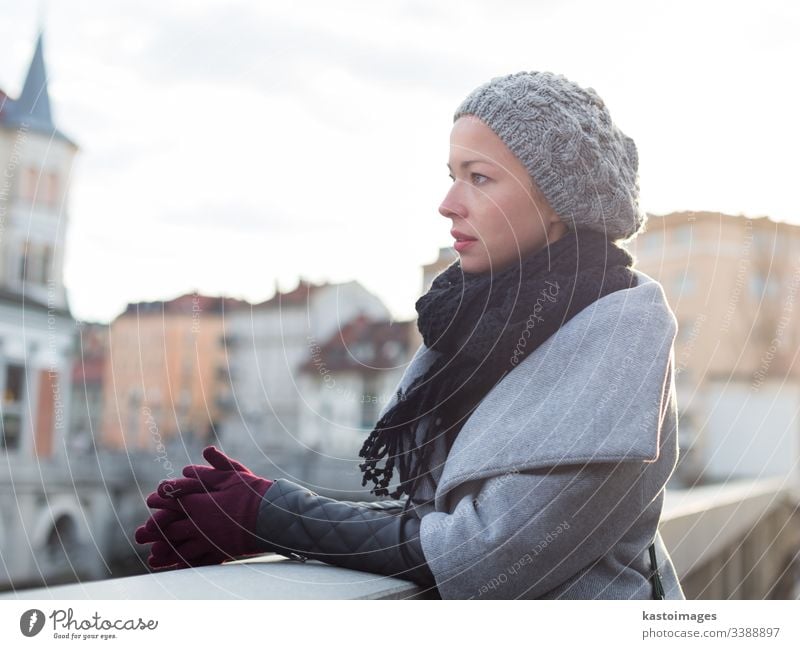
378 537
521 534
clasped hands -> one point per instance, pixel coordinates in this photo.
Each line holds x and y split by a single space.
206 517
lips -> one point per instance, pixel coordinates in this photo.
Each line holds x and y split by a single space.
460 236
463 244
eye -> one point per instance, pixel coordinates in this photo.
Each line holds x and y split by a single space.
474 177
477 175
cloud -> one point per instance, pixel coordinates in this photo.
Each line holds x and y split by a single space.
245 219
278 52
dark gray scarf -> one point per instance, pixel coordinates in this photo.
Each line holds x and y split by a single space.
484 325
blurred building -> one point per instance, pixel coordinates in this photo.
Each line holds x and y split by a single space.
733 284
88 369
447 255
166 373
267 343
348 379
43 510
36 328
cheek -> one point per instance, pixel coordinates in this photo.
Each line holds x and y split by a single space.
514 228
504 220
510 220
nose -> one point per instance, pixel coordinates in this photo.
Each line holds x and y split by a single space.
451 207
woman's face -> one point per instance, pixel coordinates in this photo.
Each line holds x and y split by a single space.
493 201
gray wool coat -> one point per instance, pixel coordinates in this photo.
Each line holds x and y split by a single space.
555 484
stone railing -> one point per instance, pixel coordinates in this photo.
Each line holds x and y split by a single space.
738 540
734 541
268 576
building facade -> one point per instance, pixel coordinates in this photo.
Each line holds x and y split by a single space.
734 284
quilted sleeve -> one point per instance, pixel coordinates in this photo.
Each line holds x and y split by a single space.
377 537
387 505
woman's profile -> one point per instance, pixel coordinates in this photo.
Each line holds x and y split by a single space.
527 447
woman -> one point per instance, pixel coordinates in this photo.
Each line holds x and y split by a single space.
535 427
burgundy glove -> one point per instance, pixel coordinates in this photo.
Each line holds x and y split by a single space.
163 553
206 517
221 471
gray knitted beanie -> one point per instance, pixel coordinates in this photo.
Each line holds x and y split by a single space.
585 166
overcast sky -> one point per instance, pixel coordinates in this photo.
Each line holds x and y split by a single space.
226 144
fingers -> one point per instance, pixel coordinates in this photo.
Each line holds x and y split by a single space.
162 554
157 501
183 530
156 526
164 566
171 529
219 460
206 474
142 536
171 561
181 487
192 553
168 491
195 548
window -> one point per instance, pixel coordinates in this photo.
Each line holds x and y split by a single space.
15 378
23 262
47 261
684 329
62 541
756 282
683 234
12 406
40 186
363 352
34 263
765 241
684 284
647 243
45 413
29 180
652 242
50 193
761 286
392 349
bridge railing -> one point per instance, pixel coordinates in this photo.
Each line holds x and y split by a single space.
733 541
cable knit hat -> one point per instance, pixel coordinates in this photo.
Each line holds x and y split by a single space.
585 167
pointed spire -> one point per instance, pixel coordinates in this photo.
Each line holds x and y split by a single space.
34 100
32 109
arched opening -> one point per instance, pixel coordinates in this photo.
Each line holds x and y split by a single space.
62 540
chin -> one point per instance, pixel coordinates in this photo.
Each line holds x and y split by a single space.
474 266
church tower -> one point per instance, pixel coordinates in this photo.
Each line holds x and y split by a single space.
36 159
37 331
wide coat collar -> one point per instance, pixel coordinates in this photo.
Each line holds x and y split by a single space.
596 390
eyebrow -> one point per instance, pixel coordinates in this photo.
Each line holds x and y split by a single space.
467 163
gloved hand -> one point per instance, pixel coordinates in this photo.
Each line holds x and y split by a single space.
154 530
222 470
206 517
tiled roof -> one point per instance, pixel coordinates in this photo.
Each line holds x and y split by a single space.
363 345
298 296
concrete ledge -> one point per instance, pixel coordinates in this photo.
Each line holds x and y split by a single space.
269 576
699 527
697 524
736 540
